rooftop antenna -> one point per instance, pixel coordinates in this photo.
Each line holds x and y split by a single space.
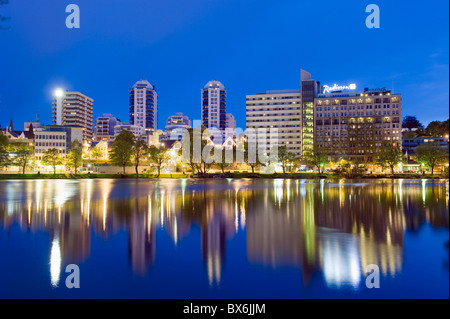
38 116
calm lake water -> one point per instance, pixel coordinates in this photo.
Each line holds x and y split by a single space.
224 238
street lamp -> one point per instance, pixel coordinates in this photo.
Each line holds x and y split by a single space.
59 93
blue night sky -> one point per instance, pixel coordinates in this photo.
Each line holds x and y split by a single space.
249 45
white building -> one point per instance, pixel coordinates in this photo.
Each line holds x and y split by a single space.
214 105
144 106
47 140
176 126
73 109
104 127
136 130
280 111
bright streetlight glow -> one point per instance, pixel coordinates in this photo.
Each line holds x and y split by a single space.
59 93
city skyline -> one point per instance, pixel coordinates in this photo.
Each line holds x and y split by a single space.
50 54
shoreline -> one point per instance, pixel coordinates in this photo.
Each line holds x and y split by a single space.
312 176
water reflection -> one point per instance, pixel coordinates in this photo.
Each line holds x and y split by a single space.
333 228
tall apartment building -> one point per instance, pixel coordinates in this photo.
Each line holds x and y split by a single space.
214 105
355 125
104 127
144 106
231 121
280 110
73 109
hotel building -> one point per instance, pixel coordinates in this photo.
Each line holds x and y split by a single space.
336 120
144 106
74 109
355 125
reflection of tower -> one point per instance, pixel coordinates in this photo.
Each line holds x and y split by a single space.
213 245
283 233
340 259
142 239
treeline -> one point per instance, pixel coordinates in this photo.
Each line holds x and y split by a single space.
416 129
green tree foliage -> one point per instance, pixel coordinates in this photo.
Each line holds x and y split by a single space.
75 157
23 155
122 150
140 149
431 155
4 154
349 169
158 156
437 128
316 158
251 156
285 157
189 158
389 156
52 158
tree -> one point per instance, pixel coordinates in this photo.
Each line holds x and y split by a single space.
434 129
411 122
430 154
140 150
75 157
188 142
24 153
158 156
284 157
349 169
223 162
96 153
122 150
52 158
389 156
316 158
4 154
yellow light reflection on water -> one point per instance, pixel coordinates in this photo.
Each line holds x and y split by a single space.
55 262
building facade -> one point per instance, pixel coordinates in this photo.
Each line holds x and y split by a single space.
104 127
176 126
354 126
47 140
136 130
74 109
278 111
335 120
214 105
144 106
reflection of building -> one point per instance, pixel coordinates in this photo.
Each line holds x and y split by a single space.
141 240
213 246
